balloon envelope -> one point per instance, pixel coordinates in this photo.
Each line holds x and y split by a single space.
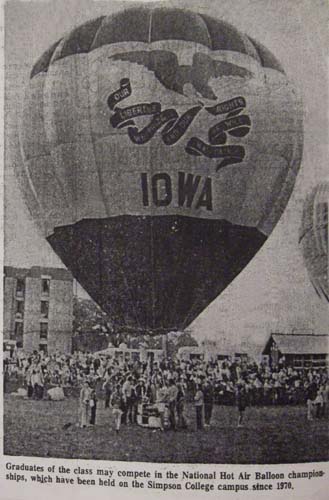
160 148
313 238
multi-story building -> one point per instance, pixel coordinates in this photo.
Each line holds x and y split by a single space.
38 308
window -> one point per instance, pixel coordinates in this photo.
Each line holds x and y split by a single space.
43 330
44 309
19 308
135 356
307 360
45 286
18 328
43 347
20 287
18 331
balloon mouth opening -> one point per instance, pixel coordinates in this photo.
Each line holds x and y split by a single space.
155 274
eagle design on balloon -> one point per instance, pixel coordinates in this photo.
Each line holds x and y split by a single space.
174 77
189 81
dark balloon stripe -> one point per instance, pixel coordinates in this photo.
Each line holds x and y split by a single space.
268 60
42 64
149 24
177 24
131 25
79 41
224 36
155 273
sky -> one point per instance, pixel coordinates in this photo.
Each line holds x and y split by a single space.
273 292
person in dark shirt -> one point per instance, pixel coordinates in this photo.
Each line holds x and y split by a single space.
107 387
241 401
93 407
96 364
208 399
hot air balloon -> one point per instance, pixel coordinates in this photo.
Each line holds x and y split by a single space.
313 238
160 148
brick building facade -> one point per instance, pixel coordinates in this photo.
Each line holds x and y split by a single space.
38 308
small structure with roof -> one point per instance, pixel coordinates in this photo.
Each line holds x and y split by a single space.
123 353
210 351
298 350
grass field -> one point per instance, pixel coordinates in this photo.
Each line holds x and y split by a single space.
270 435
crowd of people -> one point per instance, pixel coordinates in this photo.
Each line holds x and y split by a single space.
168 385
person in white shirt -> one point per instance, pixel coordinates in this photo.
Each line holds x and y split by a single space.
172 400
127 390
198 403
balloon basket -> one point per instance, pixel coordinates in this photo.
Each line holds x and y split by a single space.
148 416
